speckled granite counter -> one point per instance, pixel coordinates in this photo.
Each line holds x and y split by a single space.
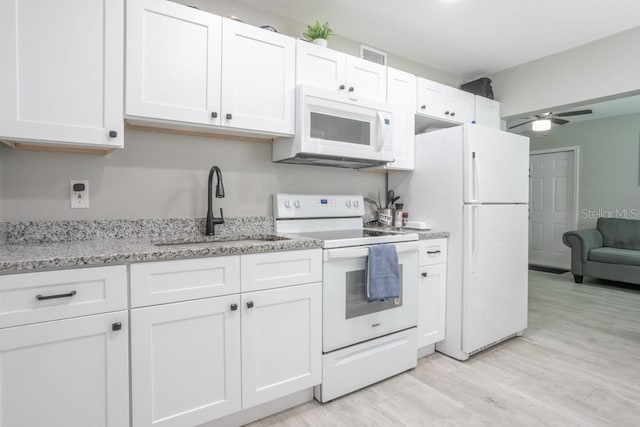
54 245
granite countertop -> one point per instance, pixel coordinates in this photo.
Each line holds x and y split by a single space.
46 245
46 256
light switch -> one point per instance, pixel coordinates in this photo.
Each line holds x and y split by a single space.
79 195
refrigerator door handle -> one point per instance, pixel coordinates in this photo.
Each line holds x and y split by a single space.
475 242
476 176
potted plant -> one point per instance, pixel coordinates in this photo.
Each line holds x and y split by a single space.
318 33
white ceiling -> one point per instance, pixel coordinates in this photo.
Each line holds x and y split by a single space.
470 38
601 110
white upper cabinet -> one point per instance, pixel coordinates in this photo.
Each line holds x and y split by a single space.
258 78
487 112
61 75
173 62
192 67
401 96
330 69
444 102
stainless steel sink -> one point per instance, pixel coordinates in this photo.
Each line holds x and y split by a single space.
222 240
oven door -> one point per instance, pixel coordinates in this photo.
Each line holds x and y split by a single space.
348 318
338 126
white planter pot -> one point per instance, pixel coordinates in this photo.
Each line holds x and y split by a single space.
321 42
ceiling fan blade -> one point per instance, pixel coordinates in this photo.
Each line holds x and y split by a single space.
573 113
556 121
523 123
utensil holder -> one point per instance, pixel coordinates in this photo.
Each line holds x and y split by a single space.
385 216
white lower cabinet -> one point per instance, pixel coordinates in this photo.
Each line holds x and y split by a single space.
281 342
186 359
199 360
432 289
66 373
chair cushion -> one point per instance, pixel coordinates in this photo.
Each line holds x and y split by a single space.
615 256
620 233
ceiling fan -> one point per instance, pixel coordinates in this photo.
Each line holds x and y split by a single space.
543 121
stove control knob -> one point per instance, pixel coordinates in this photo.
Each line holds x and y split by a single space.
355 203
348 203
287 203
297 203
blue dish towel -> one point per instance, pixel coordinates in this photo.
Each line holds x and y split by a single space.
383 273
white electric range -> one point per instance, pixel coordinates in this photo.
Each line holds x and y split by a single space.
362 342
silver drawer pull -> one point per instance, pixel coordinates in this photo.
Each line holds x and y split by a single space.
45 297
433 252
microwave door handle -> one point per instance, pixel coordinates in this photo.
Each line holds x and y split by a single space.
380 131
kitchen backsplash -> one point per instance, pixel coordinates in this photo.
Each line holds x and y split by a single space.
66 231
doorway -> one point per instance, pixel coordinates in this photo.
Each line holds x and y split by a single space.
553 205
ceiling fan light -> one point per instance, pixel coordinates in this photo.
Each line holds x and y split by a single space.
541 125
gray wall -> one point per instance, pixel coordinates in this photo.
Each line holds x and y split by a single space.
160 175
602 69
609 163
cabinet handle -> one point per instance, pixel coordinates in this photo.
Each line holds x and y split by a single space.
116 326
341 87
453 113
113 134
214 115
446 113
433 252
229 116
424 274
234 307
423 107
249 304
351 89
45 297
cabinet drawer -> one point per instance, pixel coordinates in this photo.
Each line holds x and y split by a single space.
276 269
433 251
171 281
38 297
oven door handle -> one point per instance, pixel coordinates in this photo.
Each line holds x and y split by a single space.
363 251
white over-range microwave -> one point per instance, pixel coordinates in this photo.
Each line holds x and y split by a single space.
336 129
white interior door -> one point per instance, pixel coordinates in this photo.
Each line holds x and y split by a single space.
552 208
495 273
495 166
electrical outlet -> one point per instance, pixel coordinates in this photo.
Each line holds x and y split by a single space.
79 195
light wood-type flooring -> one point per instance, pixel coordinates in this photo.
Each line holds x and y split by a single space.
578 364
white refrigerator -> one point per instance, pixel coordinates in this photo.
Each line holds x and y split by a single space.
473 182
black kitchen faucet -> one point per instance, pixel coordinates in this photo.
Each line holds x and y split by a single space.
211 221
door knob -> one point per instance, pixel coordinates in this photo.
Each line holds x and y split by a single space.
214 114
446 112
249 304
351 89
423 107
229 116
234 307
424 274
116 326
113 134
341 87
453 113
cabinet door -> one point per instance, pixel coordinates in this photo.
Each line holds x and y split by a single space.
460 105
281 342
258 78
187 362
173 62
61 74
401 96
431 98
367 79
320 67
66 373
432 289
487 112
